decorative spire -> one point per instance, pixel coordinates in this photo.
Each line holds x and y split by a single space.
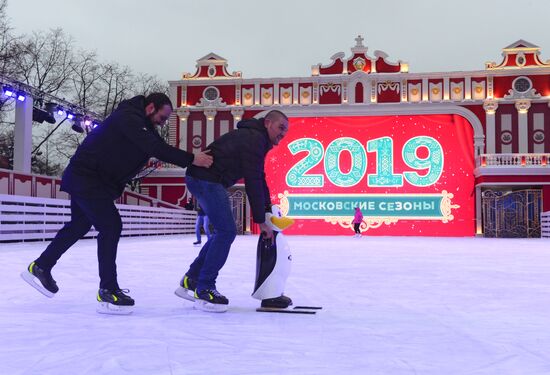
359 41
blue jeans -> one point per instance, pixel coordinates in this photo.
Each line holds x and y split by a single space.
202 222
214 200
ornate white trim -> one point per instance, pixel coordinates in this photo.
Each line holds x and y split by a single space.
490 106
523 105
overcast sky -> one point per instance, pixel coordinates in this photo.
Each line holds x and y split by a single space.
283 38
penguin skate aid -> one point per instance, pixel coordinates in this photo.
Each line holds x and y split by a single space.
273 265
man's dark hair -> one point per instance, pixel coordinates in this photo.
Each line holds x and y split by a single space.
274 115
159 100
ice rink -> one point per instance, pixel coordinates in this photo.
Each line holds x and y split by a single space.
392 305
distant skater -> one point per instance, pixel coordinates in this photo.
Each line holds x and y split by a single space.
357 220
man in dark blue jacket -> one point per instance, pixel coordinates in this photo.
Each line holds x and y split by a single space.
237 154
96 175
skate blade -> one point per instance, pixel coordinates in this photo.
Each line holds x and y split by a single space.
210 307
184 293
285 311
35 283
109 308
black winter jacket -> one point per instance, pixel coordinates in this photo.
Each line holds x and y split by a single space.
241 154
116 151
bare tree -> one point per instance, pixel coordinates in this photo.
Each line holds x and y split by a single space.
86 83
8 43
46 61
117 84
147 84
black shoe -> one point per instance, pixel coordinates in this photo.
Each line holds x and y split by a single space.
115 297
187 288
210 300
47 285
197 243
188 283
281 302
114 302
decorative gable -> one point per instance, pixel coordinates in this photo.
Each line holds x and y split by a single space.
359 61
520 54
211 66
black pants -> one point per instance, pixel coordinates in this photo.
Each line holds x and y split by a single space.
104 216
356 228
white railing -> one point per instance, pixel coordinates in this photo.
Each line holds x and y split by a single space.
513 160
31 185
545 224
36 218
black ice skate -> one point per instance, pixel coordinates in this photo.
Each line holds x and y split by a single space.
281 302
114 302
197 243
186 289
46 285
210 300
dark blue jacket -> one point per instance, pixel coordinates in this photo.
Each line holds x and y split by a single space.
241 154
116 151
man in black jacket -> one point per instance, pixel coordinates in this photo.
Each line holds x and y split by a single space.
237 154
96 175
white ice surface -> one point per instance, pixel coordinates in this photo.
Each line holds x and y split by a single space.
391 305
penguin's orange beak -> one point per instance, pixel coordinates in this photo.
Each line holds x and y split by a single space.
282 222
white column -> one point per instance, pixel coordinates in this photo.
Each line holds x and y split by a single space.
467 88
276 95
446 88
257 94
315 93
373 97
538 126
295 93
22 143
238 94
183 114
479 214
523 105
404 91
490 106
210 114
425 90
237 114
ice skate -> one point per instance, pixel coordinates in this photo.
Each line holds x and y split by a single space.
197 243
186 290
114 302
40 279
210 300
281 302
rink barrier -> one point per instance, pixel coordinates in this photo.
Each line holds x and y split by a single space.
545 224
25 218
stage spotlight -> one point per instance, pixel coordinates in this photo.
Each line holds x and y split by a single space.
40 115
8 91
95 124
77 124
21 96
70 115
60 111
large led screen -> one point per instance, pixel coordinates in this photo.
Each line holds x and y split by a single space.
410 175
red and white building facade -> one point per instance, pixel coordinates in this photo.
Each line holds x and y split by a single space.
502 113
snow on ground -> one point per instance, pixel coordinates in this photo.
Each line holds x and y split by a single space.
392 305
